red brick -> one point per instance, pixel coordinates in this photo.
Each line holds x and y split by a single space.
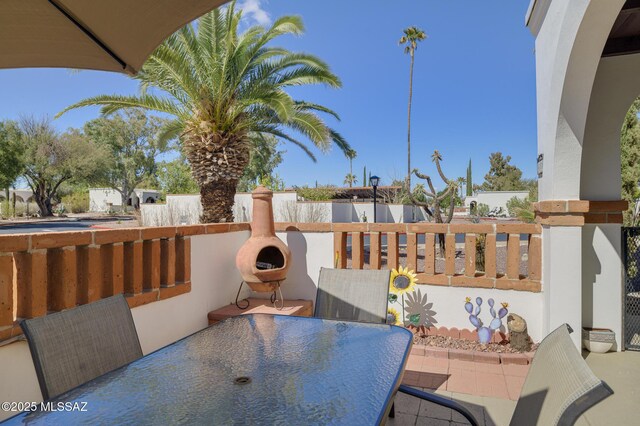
486 357
111 236
517 359
167 262
187 230
155 232
133 267
461 354
31 277
151 264
435 352
143 298
167 292
6 290
63 279
14 242
60 239
417 350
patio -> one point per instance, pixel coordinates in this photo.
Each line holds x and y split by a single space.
619 370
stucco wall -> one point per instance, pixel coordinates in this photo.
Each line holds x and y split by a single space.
495 198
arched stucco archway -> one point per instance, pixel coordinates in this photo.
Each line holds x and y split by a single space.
581 106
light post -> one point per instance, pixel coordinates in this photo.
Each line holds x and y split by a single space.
374 181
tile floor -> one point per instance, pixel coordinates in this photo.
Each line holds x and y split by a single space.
466 377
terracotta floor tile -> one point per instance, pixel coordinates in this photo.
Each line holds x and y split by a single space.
491 385
411 378
463 381
515 370
514 386
414 363
489 368
462 365
437 366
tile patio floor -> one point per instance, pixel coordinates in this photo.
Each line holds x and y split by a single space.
620 370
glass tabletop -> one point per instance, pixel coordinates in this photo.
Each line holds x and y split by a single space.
251 369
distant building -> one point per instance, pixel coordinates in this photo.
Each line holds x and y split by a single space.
108 199
494 199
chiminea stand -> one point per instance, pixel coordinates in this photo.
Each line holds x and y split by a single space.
274 297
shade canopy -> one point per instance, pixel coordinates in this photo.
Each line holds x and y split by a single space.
109 35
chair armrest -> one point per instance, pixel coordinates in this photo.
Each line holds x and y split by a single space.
439 400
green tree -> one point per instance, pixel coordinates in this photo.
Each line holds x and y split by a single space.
51 160
175 177
630 156
129 136
502 176
469 181
265 157
350 178
222 88
412 36
11 151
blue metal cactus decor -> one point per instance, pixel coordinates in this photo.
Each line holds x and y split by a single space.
485 333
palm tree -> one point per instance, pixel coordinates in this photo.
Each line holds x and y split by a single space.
350 179
224 88
410 39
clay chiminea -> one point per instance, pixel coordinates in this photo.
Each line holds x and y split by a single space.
263 260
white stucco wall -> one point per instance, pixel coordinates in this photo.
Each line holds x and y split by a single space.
495 198
99 198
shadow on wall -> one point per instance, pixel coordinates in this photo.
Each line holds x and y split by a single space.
302 286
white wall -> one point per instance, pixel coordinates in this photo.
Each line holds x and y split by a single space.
495 198
99 198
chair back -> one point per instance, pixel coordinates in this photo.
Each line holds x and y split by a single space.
74 346
560 386
353 295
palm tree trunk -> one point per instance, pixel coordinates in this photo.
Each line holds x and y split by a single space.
409 123
217 164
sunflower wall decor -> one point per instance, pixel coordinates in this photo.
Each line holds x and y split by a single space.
417 312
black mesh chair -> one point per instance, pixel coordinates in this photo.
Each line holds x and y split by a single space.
353 295
77 345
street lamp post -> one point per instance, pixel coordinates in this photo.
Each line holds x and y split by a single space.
374 181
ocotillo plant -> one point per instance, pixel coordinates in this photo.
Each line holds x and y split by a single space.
485 333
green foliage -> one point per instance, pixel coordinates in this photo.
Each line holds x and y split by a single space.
482 210
320 193
174 177
130 139
265 157
11 153
76 202
502 176
630 156
52 159
273 182
469 180
350 180
223 83
522 209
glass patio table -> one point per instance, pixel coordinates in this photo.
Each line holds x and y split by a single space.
253 369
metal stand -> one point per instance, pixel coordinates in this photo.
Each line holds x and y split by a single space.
274 298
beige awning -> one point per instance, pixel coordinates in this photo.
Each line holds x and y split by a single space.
110 35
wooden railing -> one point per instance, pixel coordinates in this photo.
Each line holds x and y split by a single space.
512 252
41 273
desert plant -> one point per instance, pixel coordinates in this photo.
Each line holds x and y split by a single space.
77 202
482 210
320 193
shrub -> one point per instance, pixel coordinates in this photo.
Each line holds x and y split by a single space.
483 210
321 193
76 202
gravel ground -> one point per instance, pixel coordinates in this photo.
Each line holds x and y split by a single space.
453 343
501 259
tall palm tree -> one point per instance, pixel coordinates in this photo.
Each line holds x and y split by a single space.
350 179
223 88
410 39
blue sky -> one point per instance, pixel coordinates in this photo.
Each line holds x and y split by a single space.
474 87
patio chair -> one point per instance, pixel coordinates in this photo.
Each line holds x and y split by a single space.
77 345
353 295
558 389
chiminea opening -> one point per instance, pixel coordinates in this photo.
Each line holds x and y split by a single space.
269 257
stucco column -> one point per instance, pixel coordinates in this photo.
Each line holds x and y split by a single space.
562 279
